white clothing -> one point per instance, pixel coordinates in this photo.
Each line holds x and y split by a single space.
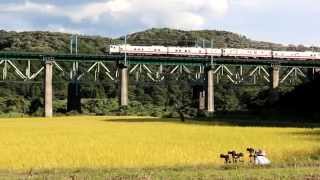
262 160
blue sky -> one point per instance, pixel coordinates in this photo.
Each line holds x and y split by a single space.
283 21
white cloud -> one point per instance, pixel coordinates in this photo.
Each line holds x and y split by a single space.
256 18
249 3
93 11
185 14
28 7
172 13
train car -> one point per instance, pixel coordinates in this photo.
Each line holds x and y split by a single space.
187 51
316 55
143 50
114 49
247 53
307 55
214 52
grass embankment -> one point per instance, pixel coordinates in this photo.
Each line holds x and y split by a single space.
153 147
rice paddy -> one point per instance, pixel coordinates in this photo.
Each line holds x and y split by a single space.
131 142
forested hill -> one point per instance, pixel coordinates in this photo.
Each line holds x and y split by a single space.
38 41
220 39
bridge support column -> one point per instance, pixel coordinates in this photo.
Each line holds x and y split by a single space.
124 86
210 91
48 92
275 76
199 97
202 100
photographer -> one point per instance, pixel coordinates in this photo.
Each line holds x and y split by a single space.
261 158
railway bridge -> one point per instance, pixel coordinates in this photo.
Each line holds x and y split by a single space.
19 66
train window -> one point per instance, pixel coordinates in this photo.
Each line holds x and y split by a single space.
179 50
159 50
155 50
176 50
186 51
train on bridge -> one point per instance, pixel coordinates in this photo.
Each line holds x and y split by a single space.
213 52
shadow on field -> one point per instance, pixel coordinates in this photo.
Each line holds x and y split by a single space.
309 135
219 122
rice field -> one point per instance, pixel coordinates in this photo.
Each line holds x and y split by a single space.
131 142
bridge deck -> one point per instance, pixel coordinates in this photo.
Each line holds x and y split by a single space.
156 59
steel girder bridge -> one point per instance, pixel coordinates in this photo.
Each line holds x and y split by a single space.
29 67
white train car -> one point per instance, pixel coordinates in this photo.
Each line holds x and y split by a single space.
316 55
146 50
187 51
308 55
214 52
247 53
114 49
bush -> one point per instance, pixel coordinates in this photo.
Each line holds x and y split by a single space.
14 105
99 107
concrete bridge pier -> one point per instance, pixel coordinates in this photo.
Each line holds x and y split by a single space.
275 76
199 97
123 86
202 99
210 91
48 92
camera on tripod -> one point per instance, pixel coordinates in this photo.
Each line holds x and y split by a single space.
252 154
226 158
232 157
236 157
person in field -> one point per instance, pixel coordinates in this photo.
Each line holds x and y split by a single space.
261 158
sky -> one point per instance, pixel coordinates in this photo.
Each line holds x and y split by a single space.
281 21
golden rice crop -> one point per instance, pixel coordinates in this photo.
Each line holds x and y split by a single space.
111 142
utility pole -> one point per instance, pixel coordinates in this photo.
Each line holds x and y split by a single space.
71 44
125 50
211 54
74 44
